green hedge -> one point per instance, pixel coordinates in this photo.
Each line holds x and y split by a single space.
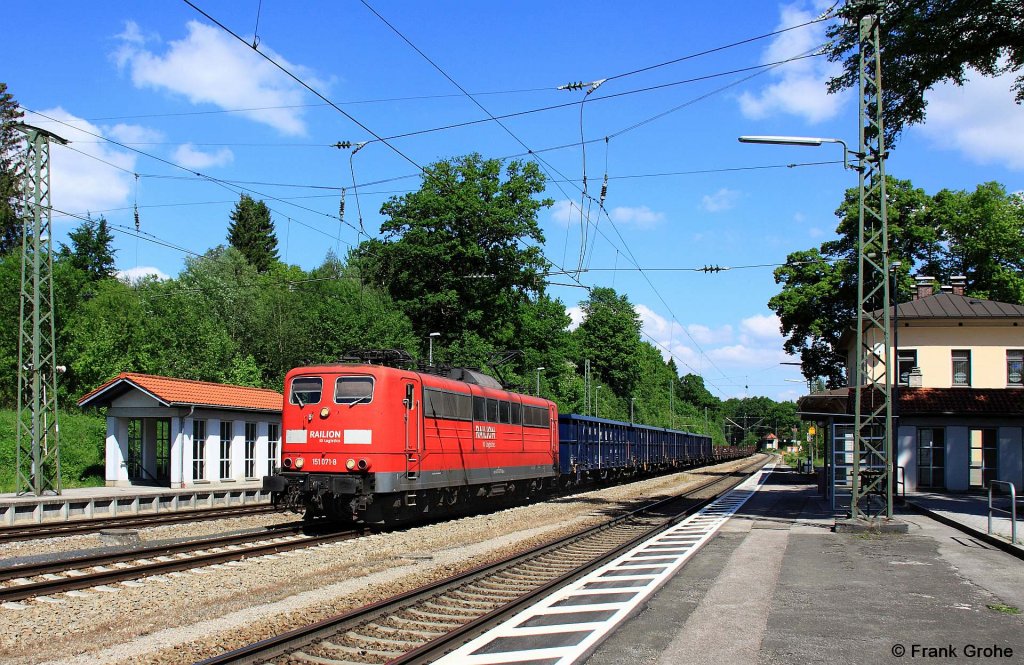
81 450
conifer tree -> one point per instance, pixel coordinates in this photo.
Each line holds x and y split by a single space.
252 233
10 225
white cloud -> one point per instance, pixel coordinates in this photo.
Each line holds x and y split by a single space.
209 67
564 212
188 156
641 217
800 86
132 275
762 326
979 119
79 181
134 134
576 314
723 199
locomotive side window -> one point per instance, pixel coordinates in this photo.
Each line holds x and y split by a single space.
517 417
535 416
353 390
453 406
306 390
505 412
479 409
492 410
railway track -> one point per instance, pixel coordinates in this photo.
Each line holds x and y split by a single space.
423 624
93 525
20 582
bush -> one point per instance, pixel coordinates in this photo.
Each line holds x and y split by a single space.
82 440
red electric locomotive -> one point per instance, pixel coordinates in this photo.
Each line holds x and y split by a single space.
375 443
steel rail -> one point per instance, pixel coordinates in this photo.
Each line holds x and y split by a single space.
290 641
98 578
91 525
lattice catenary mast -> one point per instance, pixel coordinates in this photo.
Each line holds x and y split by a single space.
38 453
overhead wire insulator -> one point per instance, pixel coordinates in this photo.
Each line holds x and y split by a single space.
341 205
136 204
604 189
577 85
342 144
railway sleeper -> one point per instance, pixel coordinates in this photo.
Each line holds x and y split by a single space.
442 616
360 655
388 640
496 591
417 630
430 623
303 657
463 595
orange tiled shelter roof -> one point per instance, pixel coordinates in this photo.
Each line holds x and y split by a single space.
185 392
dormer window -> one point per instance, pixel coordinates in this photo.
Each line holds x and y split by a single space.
1015 367
961 367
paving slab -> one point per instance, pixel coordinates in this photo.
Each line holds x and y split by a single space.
778 585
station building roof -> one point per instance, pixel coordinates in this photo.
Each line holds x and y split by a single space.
169 391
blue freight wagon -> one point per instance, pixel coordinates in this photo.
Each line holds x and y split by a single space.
603 449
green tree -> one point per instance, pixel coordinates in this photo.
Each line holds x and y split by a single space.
252 233
985 234
819 286
10 145
927 42
91 250
610 336
459 255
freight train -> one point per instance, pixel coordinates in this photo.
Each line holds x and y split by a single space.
376 443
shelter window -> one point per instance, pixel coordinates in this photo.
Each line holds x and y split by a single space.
250 450
1015 367
198 450
273 446
306 390
353 390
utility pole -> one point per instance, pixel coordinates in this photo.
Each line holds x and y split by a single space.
872 400
38 452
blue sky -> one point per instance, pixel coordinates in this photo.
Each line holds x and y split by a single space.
189 98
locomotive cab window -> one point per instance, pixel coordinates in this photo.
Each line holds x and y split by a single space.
353 390
306 390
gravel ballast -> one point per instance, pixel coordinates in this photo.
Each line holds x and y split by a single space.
184 617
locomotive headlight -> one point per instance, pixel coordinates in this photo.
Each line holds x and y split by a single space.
350 464
299 462
324 412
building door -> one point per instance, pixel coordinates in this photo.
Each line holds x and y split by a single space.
163 451
931 458
984 458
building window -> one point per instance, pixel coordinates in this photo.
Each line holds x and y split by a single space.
273 446
961 368
134 461
906 360
983 457
1015 367
226 434
198 450
931 457
250 450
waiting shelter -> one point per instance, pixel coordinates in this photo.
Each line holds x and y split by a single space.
178 433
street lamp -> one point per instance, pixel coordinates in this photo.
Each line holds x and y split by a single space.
538 380
430 356
631 400
803 140
597 393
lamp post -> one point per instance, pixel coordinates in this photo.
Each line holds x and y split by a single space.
631 400
805 141
597 393
430 356
538 380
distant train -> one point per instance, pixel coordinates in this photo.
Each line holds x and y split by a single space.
374 443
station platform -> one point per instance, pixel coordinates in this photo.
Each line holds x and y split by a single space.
777 585
96 502
970 511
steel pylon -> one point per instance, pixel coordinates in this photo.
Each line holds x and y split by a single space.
871 484
38 452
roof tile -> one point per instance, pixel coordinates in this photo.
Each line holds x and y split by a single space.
188 392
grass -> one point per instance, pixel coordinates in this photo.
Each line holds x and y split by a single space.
81 450
1004 609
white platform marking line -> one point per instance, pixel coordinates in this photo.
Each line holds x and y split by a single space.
700 525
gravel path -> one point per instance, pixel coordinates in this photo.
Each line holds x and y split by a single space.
187 616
